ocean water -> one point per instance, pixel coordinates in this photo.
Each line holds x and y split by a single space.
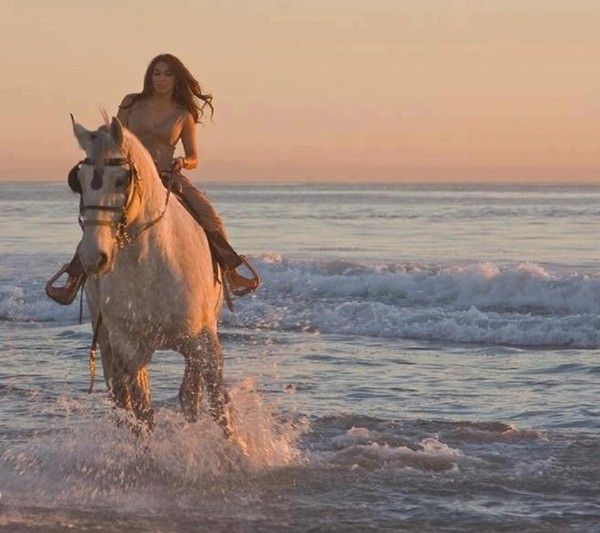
419 357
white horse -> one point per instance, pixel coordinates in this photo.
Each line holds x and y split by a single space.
151 276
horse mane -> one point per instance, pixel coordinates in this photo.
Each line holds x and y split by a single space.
134 148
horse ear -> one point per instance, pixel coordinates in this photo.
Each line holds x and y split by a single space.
116 131
83 136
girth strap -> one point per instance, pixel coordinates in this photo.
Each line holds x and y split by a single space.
105 208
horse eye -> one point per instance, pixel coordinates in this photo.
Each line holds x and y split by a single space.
120 183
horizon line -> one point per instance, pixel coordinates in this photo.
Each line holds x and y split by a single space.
270 181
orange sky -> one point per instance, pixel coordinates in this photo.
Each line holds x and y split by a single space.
320 90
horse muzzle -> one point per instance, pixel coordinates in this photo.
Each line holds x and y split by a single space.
96 263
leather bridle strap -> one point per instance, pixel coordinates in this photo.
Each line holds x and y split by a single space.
121 210
103 207
111 162
148 225
122 236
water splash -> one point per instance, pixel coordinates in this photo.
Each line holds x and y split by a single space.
85 461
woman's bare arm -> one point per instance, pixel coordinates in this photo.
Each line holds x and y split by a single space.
189 138
125 110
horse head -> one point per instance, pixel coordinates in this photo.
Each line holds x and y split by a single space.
107 180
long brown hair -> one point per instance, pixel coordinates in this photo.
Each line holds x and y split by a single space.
186 90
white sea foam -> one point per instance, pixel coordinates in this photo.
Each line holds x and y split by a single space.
358 447
28 303
521 305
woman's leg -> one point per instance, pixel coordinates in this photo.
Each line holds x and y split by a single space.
207 216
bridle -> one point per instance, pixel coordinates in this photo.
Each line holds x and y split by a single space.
123 236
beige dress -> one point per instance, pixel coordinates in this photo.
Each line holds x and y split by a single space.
160 140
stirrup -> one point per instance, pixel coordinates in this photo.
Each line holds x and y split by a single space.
255 279
64 295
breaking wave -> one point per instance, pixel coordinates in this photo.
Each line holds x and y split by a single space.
518 305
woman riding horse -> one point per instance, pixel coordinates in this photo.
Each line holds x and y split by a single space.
163 113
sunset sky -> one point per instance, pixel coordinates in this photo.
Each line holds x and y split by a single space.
320 90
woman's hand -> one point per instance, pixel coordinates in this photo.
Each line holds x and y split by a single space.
178 164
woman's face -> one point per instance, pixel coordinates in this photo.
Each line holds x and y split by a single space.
163 80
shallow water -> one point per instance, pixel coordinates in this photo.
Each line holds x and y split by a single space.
419 357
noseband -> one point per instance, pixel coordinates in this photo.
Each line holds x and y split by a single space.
121 222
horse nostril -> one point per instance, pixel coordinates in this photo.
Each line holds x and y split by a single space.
102 261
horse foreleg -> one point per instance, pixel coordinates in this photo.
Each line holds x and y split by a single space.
212 372
141 399
204 362
132 393
119 391
218 396
190 392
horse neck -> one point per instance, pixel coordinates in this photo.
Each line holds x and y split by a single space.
152 193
